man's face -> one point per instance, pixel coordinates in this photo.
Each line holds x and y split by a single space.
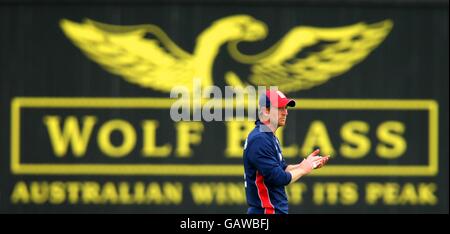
278 115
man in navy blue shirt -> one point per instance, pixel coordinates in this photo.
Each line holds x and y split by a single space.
266 172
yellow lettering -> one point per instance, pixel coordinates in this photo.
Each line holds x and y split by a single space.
124 193
154 194
357 145
426 194
109 193
150 149
237 132
319 193
188 133
349 193
173 192
70 133
295 193
335 193
201 193
91 193
408 195
288 151
57 192
317 135
236 193
128 134
390 133
20 193
374 192
139 192
332 190
220 193
396 194
73 188
391 191
39 192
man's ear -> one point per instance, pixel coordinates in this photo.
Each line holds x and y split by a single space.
266 111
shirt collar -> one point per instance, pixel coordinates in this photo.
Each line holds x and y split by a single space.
262 127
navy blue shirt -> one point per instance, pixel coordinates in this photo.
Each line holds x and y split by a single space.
265 178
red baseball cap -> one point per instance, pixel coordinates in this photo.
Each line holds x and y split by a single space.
275 98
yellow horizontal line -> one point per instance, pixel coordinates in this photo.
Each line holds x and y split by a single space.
68 102
127 169
345 170
211 170
154 103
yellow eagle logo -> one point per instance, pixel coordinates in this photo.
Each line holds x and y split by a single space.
146 56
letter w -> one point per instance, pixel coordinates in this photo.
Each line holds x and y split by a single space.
70 133
246 223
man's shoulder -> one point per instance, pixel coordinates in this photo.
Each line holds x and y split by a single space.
258 136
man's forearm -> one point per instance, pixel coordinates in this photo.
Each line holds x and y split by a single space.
306 166
296 172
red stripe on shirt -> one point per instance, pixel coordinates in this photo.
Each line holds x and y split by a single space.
263 194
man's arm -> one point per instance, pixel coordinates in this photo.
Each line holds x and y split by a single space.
306 166
264 157
297 171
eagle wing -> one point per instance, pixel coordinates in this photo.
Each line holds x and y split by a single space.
155 63
309 56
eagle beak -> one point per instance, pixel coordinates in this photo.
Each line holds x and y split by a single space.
256 31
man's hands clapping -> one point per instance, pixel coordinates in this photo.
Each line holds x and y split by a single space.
314 161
